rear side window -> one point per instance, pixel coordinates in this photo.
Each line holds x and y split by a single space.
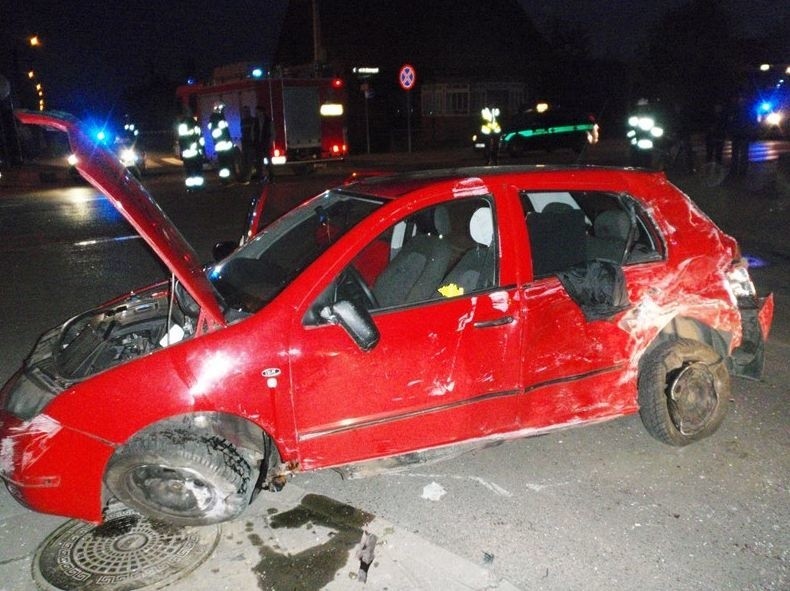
568 228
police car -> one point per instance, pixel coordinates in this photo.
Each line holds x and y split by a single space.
549 127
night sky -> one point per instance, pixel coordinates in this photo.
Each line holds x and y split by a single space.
618 27
99 48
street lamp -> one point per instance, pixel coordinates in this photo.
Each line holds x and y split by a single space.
33 42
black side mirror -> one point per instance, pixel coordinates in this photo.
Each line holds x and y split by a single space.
222 249
355 320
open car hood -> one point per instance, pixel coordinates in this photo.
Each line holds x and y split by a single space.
107 174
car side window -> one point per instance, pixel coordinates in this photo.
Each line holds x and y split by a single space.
448 250
569 228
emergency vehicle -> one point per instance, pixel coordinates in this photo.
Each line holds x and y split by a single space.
772 101
308 114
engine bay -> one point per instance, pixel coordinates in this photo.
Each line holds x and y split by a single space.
104 337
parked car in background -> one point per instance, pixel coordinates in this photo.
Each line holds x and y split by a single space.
549 127
391 317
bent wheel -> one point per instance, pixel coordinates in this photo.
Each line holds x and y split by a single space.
684 388
181 478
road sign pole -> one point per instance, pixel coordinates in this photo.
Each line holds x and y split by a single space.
408 118
407 78
367 122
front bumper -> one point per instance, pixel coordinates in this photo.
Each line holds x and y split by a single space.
51 468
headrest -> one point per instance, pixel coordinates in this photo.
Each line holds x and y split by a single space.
433 221
557 207
481 226
613 223
441 220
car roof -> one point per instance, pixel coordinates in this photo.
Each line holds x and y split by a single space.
398 184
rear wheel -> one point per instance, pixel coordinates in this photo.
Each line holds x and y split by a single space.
684 388
181 478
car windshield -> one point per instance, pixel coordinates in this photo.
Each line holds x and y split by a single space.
253 275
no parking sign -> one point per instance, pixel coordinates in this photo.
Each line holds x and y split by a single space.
407 77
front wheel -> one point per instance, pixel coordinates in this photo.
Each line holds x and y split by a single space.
684 389
181 478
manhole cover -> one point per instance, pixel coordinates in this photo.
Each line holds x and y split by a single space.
125 553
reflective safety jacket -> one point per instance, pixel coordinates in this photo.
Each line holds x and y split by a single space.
490 124
220 133
645 128
190 139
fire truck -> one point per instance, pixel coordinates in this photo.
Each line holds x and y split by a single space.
308 114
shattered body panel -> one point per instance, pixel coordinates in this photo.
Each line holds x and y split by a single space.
488 355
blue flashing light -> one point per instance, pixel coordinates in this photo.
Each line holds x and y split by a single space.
99 135
765 107
756 262
257 72
191 81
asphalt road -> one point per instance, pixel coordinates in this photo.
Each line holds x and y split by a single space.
599 507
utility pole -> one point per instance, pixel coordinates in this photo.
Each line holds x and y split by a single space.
316 34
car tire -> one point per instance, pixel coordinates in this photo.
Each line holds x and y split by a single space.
181 478
684 390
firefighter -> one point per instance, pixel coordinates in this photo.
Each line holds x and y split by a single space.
262 138
645 133
740 127
223 145
190 146
491 132
247 142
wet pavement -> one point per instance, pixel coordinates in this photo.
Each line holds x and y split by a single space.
291 540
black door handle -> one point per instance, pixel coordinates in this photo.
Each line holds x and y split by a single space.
496 322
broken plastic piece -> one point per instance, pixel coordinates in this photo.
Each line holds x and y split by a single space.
365 555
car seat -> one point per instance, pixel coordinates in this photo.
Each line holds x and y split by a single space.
557 238
611 230
477 266
420 265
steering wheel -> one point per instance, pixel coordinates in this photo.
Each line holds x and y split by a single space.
352 276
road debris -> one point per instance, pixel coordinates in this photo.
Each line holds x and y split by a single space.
433 491
365 555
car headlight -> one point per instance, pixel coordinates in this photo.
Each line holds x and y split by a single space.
128 157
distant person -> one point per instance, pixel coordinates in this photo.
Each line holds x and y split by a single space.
223 144
716 134
739 129
247 141
262 136
680 128
491 132
191 148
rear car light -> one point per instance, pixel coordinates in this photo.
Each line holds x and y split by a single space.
739 283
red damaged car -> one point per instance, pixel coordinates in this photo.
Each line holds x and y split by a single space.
382 321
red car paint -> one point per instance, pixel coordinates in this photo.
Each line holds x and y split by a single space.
509 361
